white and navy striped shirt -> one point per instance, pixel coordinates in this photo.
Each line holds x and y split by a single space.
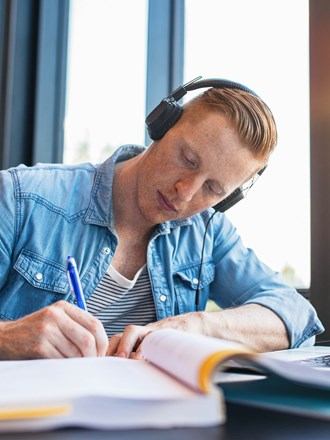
118 302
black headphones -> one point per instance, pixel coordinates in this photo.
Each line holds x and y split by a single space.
169 111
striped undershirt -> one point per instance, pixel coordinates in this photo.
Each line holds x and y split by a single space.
118 302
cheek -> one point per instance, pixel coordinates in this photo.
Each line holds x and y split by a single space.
158 176
207 202
147 183
199 204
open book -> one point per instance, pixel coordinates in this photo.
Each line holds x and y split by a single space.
173 387
280 385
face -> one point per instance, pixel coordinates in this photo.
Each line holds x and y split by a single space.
198 163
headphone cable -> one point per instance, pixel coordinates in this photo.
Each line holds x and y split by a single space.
201 264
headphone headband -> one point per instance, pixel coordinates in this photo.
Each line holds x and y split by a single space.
169 111
219 83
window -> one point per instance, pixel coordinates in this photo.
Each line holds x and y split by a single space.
106 83
264 45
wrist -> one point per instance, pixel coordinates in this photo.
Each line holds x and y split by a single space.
206 327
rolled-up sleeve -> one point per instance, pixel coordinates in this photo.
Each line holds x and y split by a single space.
241 278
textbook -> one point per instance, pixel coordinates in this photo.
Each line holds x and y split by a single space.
173 386
272 383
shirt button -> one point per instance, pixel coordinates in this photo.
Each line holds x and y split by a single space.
38 276
106 250
162 298
195 281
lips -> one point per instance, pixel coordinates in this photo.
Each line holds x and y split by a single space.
165 203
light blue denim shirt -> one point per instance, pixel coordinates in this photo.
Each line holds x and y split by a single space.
51 211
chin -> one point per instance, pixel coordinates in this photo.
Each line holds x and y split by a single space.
159 218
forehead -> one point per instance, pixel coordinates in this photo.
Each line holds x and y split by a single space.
209 126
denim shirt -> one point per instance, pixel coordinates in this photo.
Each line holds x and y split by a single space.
50 211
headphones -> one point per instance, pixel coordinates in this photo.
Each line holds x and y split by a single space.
168 112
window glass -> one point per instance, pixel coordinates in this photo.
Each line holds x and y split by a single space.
106 79
264 45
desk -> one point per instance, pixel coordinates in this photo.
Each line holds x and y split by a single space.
243 423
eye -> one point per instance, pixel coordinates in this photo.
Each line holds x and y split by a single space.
189 160
211 188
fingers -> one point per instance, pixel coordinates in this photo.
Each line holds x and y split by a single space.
127 344
64 347
124 344
45 350
113 345
89 335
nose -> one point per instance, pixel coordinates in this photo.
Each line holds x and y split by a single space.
187 187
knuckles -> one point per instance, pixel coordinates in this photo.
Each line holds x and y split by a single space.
95 326
88 344
50 313
132 328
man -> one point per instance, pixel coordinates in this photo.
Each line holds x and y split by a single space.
135 225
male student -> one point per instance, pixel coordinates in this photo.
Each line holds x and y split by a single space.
136 226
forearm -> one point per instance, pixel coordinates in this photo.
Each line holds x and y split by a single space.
250 324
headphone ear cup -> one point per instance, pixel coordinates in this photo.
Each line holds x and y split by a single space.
230 201
162 118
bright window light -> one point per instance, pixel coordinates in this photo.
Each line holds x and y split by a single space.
264 45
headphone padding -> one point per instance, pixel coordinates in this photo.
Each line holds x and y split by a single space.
162 118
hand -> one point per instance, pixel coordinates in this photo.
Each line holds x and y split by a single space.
57 331
127 344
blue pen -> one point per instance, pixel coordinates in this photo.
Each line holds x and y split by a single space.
74 282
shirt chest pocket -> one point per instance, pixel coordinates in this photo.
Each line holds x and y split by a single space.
37 282
41 272
186 283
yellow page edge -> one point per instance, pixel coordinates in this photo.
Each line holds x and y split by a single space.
31 412
208 366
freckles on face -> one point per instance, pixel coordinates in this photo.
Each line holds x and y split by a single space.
191 169
163 191
152 189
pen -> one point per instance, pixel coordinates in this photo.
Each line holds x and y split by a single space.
74 283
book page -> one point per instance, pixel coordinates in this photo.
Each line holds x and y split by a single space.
61 380
99 392
190 357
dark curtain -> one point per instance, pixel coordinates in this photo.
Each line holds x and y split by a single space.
33 52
